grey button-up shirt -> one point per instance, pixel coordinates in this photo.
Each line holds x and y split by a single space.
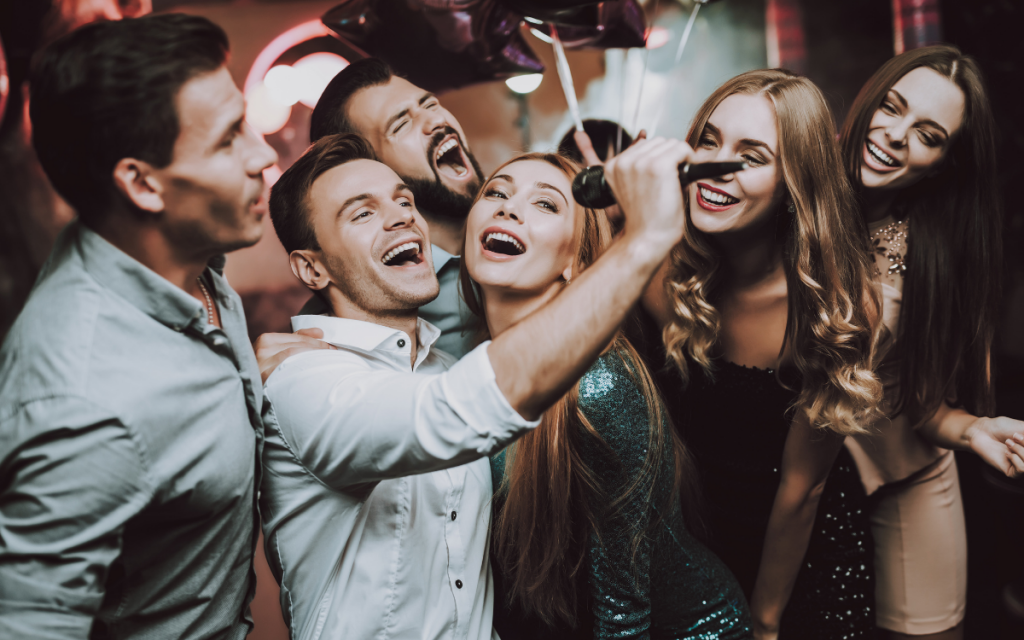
130 432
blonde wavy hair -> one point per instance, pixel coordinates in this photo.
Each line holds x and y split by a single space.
834 318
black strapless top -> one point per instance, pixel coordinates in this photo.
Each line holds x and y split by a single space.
735 426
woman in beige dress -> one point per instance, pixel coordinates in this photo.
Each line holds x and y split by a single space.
919 148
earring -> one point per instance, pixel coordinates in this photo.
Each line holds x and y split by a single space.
791 207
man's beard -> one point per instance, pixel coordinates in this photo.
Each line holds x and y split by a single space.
434 197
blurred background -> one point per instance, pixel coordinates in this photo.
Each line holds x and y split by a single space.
283 55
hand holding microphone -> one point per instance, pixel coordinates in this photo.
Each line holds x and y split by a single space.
645 181
591 189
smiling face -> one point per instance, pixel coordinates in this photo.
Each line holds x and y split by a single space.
213 188
374 244
911 130
421 141
742 127
521 234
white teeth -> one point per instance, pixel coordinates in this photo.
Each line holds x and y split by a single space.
504 237
399 249
880 155
445 148
716 198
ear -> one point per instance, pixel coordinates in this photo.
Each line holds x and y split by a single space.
567 274
137 181
307 267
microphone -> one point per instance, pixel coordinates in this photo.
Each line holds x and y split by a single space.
590 189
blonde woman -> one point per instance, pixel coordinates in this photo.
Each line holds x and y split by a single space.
769 320
588 538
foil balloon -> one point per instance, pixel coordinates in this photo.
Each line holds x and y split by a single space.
437 44
617 25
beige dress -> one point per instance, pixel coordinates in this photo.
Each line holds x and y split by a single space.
917 516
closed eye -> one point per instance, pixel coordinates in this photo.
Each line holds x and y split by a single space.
706 141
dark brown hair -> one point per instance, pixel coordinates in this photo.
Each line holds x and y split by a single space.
108 91
540 535
289 198
954 253
330 116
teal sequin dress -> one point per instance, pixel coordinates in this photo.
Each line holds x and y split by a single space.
685 591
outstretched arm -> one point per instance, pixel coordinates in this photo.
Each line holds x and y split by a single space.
537 360
998 441
806 461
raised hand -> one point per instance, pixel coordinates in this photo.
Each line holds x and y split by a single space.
274 348
645 181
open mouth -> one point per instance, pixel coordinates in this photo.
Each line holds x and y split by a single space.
874 152
404 255
449 159
714 199
502 243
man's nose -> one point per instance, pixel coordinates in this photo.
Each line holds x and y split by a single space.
261 155
432 120
397 216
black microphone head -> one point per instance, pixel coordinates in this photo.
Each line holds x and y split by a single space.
590 189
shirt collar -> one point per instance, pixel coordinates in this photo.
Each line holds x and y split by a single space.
372 338
441 257
140 286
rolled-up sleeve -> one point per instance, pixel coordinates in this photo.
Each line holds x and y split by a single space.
349 424
71 476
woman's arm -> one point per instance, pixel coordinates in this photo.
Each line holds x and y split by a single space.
655 298
806 461
996 440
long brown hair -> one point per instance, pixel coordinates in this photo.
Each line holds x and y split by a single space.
550 493
833 313
954 254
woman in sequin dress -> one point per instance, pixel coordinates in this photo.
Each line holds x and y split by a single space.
588 539
919 149
767 313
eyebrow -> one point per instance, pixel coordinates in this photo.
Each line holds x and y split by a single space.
750 142
544 185
351 201
539 185
938 126
362 197
426 97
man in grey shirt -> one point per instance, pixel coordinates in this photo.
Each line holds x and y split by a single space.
130 399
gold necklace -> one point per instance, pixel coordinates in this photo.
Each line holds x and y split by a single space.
209 300
894 235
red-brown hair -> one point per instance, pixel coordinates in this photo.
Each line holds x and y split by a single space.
540 536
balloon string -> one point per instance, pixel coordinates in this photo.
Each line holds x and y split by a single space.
565 76
679 56
643 72
640 89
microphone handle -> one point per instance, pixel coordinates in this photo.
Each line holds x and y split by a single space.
590 189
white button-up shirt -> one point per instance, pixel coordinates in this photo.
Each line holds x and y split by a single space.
376 491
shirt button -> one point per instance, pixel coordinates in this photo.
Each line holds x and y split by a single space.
453 515
401 343
458 584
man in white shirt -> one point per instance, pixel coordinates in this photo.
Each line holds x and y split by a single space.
376 492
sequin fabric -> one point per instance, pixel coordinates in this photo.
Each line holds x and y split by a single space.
735 426
680 590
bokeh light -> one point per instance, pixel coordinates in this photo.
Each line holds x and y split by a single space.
526 83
